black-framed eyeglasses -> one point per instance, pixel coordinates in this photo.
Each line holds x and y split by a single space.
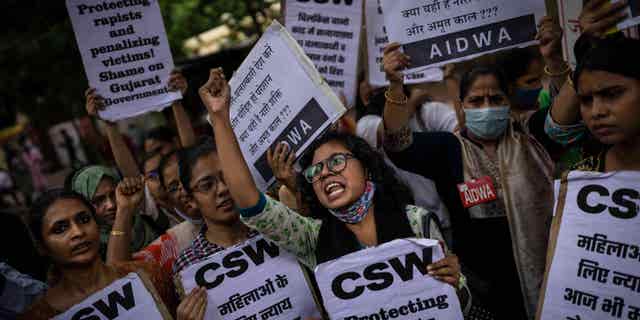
335 164
205 184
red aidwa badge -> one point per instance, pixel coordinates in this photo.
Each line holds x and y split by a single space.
477 191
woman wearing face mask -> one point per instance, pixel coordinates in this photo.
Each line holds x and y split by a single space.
64 229
354 199
495 177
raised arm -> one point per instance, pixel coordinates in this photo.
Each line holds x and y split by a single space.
396 115
129 195
185 130
596 19
215 95
121 152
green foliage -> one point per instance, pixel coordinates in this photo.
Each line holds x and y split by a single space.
42 71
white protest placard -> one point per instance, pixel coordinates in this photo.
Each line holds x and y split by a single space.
377 39
125 53
436 32
568 12
633 14
278 96
255 280
329 33
388 282
594 272
126 298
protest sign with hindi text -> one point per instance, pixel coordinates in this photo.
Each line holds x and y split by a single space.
388 282
125 53
254 280
436 32
377 39
594 270
329 33
277 96
128 298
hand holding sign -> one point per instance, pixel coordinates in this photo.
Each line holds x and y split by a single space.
281 161
178 82
129 193
393 62
550 37
215 94
446 270
193 306
599 16
94 102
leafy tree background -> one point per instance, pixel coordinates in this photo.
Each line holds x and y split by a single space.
42 72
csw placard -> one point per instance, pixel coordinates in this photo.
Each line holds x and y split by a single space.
132 297
377 39
277 96
255 280
389 281
593 268
329 33
436 32
125 53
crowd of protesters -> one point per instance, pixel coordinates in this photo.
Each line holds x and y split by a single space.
520 117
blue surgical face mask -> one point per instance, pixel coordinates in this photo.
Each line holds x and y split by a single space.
526 97
487 123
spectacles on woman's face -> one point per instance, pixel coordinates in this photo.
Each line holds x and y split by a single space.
205 184
335 164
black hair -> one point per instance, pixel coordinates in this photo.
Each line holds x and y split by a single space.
485 70
391 198
164 161
613 54
161 133
190 156
42 204
515 63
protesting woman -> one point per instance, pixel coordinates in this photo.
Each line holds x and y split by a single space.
354 199
608 89
64 228
495 176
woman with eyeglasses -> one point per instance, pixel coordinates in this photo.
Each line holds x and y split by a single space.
64 229
355 200
165 249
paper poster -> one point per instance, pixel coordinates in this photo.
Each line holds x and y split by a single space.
126 298
329 33
255 280
66 141
437 32
377 39
388 282
278 96
125 53
568 12
595 268
633 14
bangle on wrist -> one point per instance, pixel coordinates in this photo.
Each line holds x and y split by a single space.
402 101
551 74
117 233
